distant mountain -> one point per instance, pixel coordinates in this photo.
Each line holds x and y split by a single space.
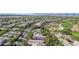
58 14
39 14
13 14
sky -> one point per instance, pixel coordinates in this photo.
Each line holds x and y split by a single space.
39 6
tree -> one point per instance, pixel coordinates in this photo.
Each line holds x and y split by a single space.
30 35
45 31
12 40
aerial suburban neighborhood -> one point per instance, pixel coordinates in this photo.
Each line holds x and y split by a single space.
39 30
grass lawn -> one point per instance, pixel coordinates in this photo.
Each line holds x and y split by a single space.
76 35
67 24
